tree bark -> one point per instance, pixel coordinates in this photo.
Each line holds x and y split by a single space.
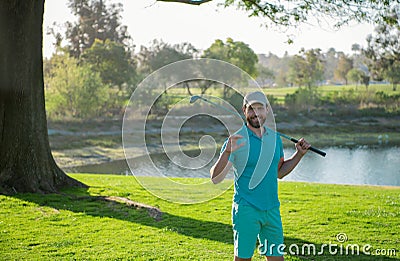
26 162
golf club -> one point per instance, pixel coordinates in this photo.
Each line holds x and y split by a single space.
194 98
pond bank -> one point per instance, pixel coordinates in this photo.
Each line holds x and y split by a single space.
83 143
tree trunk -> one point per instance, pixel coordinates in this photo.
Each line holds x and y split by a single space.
26 162
186 84
225 91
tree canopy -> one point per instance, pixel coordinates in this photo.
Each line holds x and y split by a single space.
383 52
96 20
111 60
293 12
74 90
160 54
235 52
306 68
345 64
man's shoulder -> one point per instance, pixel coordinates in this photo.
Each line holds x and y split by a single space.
241 131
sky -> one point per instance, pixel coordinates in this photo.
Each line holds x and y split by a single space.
176 23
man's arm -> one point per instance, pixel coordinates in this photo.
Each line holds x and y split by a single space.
221 168
286 166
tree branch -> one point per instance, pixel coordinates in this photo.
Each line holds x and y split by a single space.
152 211
263 10
190 2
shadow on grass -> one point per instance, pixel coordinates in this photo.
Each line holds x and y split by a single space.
82 202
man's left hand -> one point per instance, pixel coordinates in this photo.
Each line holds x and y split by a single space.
302 146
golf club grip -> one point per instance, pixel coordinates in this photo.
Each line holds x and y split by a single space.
320 152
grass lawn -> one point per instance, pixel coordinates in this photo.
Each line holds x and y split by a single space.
280 92
77 225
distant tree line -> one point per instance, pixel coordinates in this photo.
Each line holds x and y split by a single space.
94 69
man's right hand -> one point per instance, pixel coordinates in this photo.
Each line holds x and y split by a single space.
221 167
232 144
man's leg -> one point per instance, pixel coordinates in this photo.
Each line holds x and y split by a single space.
246 227
271 236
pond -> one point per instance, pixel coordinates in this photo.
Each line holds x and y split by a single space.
357 166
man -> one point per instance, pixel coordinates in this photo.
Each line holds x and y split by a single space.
256 153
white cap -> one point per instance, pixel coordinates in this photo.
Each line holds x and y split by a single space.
255 97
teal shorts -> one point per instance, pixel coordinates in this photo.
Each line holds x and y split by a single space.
250 223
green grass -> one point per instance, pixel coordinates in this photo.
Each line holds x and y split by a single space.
76 225
280 92
325 90
62 142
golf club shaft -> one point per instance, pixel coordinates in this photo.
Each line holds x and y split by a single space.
318 151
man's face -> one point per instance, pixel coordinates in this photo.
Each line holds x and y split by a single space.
255 114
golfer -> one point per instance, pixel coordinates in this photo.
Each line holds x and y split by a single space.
256 153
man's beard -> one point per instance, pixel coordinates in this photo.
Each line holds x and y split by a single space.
255 122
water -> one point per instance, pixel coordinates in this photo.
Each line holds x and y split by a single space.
358 166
